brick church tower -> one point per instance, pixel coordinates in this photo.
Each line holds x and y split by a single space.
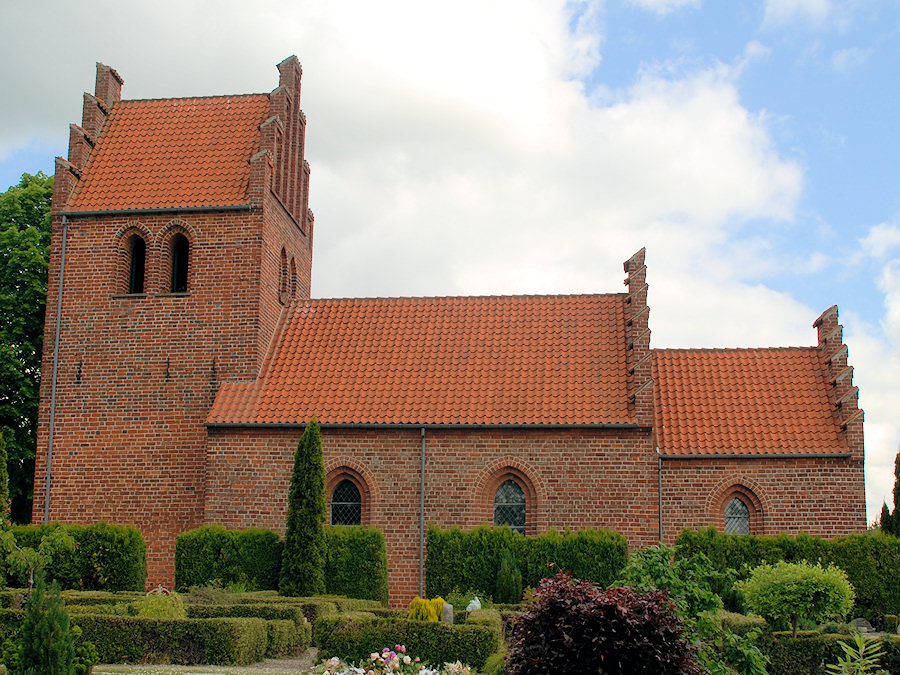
181 230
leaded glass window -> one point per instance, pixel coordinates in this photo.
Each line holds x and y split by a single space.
346 504
737 517
509 506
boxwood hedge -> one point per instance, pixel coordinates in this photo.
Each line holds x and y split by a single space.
469 561
870 560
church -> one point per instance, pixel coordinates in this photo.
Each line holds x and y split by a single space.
184 354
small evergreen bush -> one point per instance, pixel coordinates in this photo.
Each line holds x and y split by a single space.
422 610
45 643
356 562
509 580
303 559
785 592
573 626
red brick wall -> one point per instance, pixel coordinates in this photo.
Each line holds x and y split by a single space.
822 496
137 373
580 478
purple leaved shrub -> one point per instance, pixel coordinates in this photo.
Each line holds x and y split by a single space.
573 626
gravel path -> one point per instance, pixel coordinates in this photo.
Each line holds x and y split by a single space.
268 667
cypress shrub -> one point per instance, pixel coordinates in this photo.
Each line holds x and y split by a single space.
47 645
468 561
4 484
509 580
211 553
870 561
303 557
107 557
356 563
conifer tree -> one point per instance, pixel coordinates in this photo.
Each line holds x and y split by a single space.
896 517
46 636
4 485
303 558
887 520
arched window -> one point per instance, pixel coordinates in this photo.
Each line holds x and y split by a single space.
737 517
346 504
509 506
137 258
180 250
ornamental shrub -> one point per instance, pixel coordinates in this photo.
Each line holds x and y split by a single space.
785 592
211 553
46 644
356 562
421 610
509 580
303 559
468 561
573 626
870 561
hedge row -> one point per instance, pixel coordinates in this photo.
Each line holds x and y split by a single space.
356 563
870 560
353 637
458 561
106 557
809 653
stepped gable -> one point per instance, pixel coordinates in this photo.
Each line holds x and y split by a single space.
484 360
171 153
744 402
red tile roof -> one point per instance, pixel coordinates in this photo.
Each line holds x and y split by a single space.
515 360
174 152
743 401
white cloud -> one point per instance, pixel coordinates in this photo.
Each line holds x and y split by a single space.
781 12
880 240
845 60
664 6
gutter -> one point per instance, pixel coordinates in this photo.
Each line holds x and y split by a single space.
172 209
365 425
770 455
54 378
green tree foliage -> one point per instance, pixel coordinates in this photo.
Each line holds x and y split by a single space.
24 252
509 579
46 644
4 485
861 658
887 520
896 524
784 593
303 558
691 581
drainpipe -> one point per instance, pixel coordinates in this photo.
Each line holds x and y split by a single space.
422 518
659 491
55 372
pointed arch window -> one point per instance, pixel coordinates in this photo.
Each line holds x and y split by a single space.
180 254
737 517
137 262
346 504
509 506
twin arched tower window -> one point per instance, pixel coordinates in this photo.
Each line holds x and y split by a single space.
179 253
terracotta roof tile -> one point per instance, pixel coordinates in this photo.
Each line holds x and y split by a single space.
174 152
451 360
743 401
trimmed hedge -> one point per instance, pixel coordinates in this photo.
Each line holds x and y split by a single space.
469 561
226 641
356 562
107 557
212 553
353 637
285 637
870 560
810 652
268 611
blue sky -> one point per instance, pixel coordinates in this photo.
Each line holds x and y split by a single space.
532 145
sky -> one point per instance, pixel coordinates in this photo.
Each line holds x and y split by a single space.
531 146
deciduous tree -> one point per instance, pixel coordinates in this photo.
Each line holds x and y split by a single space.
24 251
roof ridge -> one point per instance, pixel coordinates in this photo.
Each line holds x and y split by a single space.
735 349
186 98
487 296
